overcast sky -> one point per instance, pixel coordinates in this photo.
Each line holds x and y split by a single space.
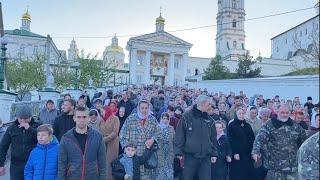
103 18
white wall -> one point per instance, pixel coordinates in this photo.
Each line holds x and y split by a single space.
286 87
284 43
197 62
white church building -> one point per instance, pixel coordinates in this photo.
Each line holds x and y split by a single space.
162 58
25 44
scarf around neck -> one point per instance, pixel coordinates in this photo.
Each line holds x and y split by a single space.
162 125
141 116
219 135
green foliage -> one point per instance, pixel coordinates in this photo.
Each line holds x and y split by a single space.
26 75
90 68
305 71
63 77
216 70
245 70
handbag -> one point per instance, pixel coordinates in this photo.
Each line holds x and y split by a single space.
152 162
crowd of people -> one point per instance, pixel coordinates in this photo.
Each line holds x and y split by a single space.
165 133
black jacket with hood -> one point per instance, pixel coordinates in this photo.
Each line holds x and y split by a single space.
196 135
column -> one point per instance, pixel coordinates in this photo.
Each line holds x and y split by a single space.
6 101
184 67
147 68
133 66
171 70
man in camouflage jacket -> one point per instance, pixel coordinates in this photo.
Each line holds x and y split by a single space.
308 159
281 137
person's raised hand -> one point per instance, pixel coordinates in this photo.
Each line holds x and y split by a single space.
24 125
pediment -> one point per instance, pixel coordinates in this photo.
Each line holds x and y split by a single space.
162 38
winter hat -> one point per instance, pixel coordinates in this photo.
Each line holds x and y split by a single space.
309 98
24 112
160 92
265 112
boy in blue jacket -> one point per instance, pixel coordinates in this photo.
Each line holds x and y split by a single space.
43 159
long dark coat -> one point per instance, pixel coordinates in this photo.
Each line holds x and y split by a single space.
220 167
241 140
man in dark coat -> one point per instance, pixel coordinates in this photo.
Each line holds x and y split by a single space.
82 153
22 136
64 122
127 103
159 102
195 139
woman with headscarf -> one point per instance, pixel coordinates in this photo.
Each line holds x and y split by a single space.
252 118
241 138
95 119
122 118
165 153
141 128
113 107
109 127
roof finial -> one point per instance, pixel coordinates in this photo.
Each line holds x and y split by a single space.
115 34
28 8
160 10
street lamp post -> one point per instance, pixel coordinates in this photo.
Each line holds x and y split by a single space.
4 42
90 83
101 80
114 79
76 81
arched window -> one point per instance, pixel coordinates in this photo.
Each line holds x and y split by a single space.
234 23
234 4
235 44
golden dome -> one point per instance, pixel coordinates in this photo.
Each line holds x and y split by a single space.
112 48
26 16
160 20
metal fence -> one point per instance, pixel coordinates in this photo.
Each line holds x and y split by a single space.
36 107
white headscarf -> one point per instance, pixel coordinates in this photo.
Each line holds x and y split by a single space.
313 118
248 116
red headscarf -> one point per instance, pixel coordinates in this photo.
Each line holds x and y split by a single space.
107 114
114 112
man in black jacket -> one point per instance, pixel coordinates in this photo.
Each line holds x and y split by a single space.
64 122
22 136
127 103
195 139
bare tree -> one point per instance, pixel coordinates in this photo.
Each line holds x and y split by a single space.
309 53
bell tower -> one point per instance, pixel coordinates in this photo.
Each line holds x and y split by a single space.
230 38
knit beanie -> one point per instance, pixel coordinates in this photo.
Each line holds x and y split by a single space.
24 112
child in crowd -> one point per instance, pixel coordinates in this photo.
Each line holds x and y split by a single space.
43 159
220 167
127 165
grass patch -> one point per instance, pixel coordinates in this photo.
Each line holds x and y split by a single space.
304 71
